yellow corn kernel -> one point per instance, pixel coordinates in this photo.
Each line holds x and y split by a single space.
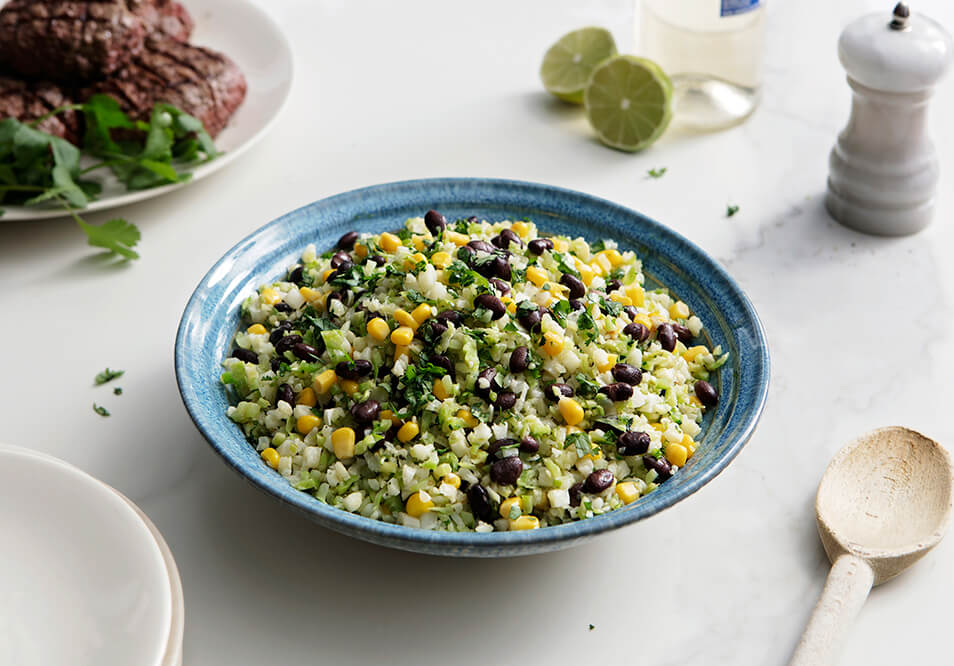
552 343
572 429
691 353
570 410
306 397
587 274
306 423
456 238
439 390
452 479
342 440
467 417
560 245
402 335
536 276
413 260
257 329
408 432
661 427
417 506
349 386
378 329
401 351
693 400
309 294
270 456
520 228
324 381
506 300
512 307
558 289
360 251
524 523
644 320
441 259
389 242
679 310
627 492
636 294
405 318
596 455
689 443
621 297
608 365
421 313
419 243
388 415
507 505
271 296
676 454
615 258
603 262
324 276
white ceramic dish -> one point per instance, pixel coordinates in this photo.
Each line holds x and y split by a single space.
84 580
254 41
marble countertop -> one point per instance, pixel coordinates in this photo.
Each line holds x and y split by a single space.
860 332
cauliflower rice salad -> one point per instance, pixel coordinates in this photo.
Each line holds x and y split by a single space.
470 375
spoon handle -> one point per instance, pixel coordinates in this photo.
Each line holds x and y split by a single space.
849 582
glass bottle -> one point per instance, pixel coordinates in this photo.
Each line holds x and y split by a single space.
712 50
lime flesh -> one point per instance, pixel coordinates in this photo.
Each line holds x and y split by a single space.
568 64
628 102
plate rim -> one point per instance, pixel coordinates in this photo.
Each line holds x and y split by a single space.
409 538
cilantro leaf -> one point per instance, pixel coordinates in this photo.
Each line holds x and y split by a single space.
116 235
108 375
102 411
731 210
656 173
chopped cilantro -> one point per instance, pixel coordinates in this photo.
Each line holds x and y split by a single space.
108 375
597 246
588 388
564 265
592 627
581 441
657 173
102 411
731 210
561 310
118 390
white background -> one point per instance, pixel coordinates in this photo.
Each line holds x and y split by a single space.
860 333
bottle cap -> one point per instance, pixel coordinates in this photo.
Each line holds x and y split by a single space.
902 52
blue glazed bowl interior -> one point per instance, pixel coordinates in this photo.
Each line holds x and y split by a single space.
212 317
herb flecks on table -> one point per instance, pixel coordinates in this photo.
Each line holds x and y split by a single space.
38 168
108 375
731 210
657 173
102 411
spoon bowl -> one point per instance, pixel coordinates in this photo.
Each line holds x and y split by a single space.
883 503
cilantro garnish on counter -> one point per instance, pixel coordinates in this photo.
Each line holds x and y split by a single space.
108 375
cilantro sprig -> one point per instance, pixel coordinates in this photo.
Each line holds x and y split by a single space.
37 168
108 375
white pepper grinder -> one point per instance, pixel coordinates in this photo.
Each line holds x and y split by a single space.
883 170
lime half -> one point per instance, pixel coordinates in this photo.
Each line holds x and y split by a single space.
568 64
628 102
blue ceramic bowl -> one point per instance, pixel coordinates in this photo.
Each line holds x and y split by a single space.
212 316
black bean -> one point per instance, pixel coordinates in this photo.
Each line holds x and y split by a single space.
434 221
479 502
661 465
492 303
682 332
363 367
502 287
519 359
554 392
613 285
279 332
467 255
636 331
276 364
354 370
282 306
285 393
540 245
246 355
505 400
377 259
633 443
494 448
531 320
296 275
305 352
615 427
529 445
574 284
576 304
506 471
436 327
366 412
502 267
481 246
505 238
628 374
451 316
341 258
706 393
286 343
666 336
576 494
472 219
631 311
486 382
347 241
442 361
495 267
598 481
618 391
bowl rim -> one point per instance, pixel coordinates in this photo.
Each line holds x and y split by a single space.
411 538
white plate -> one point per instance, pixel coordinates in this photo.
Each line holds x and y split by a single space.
83 579
254 41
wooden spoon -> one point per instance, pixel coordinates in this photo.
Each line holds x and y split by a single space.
884 501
